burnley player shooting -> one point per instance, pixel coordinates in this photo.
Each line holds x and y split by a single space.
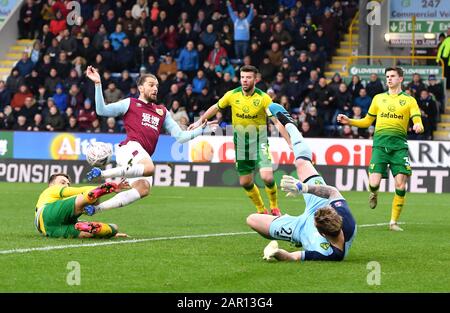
143 121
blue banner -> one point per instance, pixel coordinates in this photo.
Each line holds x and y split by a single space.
6 7
72 146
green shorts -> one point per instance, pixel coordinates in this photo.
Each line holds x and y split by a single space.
398 161
59 219
263 160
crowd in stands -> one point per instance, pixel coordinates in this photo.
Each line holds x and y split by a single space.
195 47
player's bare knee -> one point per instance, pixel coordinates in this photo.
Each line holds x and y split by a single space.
143 187
252 220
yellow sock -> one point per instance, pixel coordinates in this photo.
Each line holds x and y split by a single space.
397 204
272 194
105 231
255 196
88 199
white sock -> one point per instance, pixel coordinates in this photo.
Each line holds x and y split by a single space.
119 200
136 170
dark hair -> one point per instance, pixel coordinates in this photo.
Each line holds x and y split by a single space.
53 177
399 70
141 80
249 68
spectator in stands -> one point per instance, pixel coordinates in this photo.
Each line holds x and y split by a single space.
281 36
199 25
178 112
73 79
86 50
208 37
323 99
346 132
75 97
117 37
45 37
14 80
374 86
110 21
28 18
111 126
58 25
199 82
41 97
357 115
62 65
304 67
24 65
54 120
416 86
355 86
330 26
138 8
317 57
188 60
21 123
217 53
275 54
278 85
301 39
170 39
72 125
7 118
168 66
444 54
315 122
305 128
343 102
52 80
86 115
95 127
38 123
224 67
29 109
363 101
112 94
204 100
33 80
36 52
125 56
152 65
60 98
430 113
18 100
5 95
241 30
436 89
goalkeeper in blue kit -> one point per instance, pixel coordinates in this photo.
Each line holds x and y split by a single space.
326 229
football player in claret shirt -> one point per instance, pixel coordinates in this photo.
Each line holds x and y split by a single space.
59 206
250 109
143 121
392 110
326 229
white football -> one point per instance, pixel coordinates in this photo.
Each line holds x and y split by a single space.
99 154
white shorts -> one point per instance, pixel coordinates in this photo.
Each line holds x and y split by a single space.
132 151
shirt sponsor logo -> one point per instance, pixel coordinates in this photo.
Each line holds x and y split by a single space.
391 115
150 121
247 116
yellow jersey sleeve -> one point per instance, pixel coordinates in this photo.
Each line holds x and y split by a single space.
373 109
73 191
414 108
266 102
224 101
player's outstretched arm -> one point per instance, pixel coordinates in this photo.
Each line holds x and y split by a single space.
294 187
211 112
183 136
112 109
362 123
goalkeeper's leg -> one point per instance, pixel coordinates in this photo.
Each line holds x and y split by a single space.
302 152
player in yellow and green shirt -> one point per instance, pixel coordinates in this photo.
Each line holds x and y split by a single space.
59 206
250 109
392 111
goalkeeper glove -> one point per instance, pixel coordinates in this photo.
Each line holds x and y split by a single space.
293 186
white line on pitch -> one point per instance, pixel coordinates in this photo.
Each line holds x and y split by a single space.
108 243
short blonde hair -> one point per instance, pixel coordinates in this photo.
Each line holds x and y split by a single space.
328 221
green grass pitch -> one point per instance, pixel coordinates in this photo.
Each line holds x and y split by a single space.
415 260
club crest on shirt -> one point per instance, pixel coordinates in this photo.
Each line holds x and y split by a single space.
325 245
256 102
402 102
160 111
